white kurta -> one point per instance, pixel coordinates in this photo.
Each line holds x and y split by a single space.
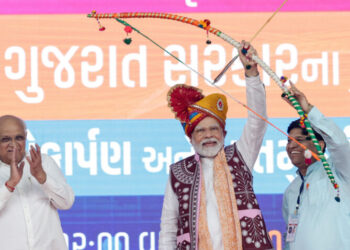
248 146
28 216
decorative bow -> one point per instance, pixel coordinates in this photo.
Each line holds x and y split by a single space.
280 82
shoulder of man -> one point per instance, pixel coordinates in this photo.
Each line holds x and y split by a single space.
47 159
45 156
230 147
185 166
293 186
184 161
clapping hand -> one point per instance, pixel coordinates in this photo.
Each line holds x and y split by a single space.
16 170
36 168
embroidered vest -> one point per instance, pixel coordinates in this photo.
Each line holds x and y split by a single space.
185 181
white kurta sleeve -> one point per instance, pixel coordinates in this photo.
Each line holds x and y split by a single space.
168 225
336 142
253 132
56 188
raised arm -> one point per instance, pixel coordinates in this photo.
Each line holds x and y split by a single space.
253 132
336 141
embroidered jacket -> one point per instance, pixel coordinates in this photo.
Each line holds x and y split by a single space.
185 182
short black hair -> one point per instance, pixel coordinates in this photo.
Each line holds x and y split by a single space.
296 124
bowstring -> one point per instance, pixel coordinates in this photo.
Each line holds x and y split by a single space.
212 83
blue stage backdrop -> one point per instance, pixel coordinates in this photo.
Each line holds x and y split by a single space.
119 169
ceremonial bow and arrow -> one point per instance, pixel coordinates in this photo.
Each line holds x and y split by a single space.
205 24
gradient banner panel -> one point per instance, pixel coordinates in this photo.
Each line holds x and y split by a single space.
98 106
65 68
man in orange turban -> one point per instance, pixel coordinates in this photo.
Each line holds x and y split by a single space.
209 202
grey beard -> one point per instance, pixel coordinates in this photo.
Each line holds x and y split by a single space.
210 152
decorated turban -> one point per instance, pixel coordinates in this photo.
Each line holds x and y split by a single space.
191 106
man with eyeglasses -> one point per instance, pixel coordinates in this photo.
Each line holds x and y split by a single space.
209 201
32 188
316 218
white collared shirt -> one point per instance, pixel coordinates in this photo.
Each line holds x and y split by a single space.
323 223
28 216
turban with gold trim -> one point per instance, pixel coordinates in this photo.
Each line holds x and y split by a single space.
191 106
